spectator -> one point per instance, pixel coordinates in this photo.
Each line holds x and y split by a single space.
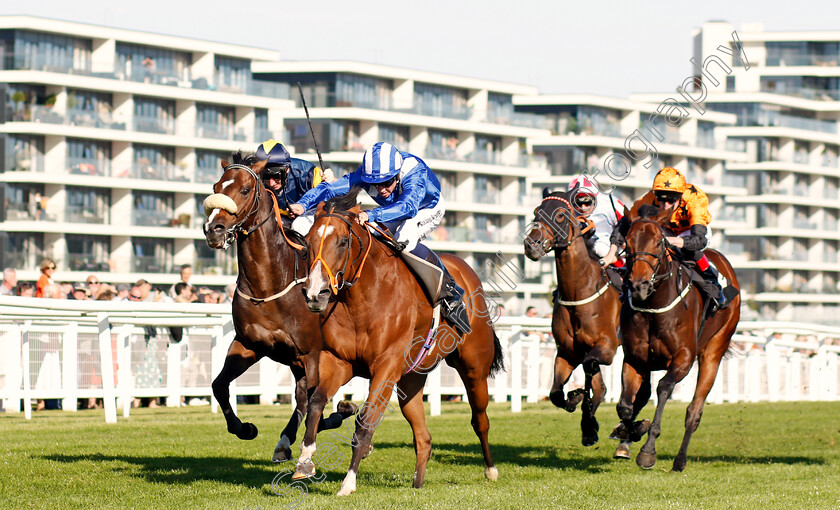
7 288
25 289
54 291
184 293
122 292
81 292
93 285
135 294
106 294
186 274
531 312
47 272
67 288
230 291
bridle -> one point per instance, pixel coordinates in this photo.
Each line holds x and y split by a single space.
234 231
338 280
553 242
664 254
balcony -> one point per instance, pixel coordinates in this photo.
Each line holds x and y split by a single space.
154 125
804 224
218 265
735 180
484 157
36 113
215 131
87 118
485 197
89 166
802 60
150 264
830 225
23 161
142 218
33 211
79 214
160 171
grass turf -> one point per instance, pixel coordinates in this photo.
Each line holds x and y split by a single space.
768 455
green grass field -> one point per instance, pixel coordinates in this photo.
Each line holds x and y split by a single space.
782 455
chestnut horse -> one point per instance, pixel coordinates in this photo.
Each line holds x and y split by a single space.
585 318
663 328
376 319
269 313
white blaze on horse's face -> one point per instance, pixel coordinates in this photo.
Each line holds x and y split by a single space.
316 282
227 183
329 230
210 219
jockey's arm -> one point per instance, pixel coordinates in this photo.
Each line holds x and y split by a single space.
610 257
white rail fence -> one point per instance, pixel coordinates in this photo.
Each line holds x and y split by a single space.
53 349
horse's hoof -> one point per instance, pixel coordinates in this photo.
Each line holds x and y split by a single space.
622 451
346 408
491 473
589 440
646 460
368 452
619 432
304 470
282 454
247 432
679 466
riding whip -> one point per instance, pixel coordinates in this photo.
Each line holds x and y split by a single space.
309 121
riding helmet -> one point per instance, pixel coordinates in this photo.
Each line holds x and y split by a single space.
382 161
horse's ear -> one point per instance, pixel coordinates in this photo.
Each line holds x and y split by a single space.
663 217
319 210
546 192
259 166
225 163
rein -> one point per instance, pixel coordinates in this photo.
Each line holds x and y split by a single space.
335 286
233 232
655 278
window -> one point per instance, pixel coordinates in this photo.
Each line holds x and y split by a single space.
215 262
208 165
88 253
87 205
215 121
438 101
363 91
154 115
499 108
88 157
89 109
151 255
152 65
25 202
448 185
50 52
487 188
152 208
232 74
154 162
24 154
24 251
488 149
395 135
261 132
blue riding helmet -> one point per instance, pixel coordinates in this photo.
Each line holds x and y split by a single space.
382 161
275 152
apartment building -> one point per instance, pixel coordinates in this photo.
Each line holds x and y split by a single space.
110 141
465 129
787 102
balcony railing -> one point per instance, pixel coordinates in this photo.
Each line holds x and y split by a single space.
151 218
23 161
87 118
79 214
154 125
27 212
485 196
88 166
150 264
160 171
215 131
802 60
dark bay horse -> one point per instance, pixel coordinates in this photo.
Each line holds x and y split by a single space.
663 328
376 319
269 313
585 318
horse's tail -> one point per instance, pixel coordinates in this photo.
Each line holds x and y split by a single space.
498 356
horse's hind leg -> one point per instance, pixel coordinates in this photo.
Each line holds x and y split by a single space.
562 372
677 370
238 360
283 450
411 404
707 369
475 382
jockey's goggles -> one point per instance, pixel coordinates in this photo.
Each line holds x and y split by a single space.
274 172
386 184
667 196
583 200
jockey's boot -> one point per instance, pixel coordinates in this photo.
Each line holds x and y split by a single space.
724 295
451 298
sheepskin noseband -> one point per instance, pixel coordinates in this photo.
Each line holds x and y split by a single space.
219 201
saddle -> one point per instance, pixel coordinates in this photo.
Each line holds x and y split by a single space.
428 275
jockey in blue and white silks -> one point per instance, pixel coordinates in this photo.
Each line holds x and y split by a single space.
410 205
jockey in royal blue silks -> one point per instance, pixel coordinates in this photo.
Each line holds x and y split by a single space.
287 177
410 205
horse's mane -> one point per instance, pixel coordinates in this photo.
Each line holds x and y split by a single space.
244 158
648 211
343 203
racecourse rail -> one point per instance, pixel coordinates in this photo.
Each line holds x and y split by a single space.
57 349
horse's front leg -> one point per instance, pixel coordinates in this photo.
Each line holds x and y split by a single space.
238 360
331 377
369 417
677 370
635 394
562 371
594 389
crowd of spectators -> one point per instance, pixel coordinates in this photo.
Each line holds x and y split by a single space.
94 289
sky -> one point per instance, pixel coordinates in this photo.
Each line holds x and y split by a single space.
611 48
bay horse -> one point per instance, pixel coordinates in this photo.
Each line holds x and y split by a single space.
664 327
585 318
376 319
269 314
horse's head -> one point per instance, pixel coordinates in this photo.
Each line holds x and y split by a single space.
647 251
235 202
335 248
554 225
